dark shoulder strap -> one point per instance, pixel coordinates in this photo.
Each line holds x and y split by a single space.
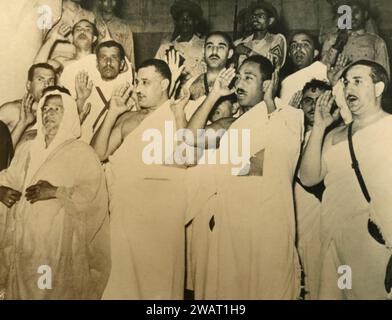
206 87
355 164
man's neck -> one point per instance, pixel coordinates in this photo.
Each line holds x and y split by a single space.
363 120
259 35
82 52
159 104
49 139
212 74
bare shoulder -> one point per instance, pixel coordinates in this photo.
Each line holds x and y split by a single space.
12 106
335 136
129 121
10 112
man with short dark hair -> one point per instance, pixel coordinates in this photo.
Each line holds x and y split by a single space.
303 55
243 220
218 51
355 162
307 200
261 41
148 196
72 13
84 34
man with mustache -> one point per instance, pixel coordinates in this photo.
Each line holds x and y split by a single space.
357 43
303 54
245 218
92 80
148 200
84 34
307 200
357 199
261 41
218 51
19 115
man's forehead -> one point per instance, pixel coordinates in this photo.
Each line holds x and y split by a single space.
301 37
217 39
109 51
250 68
39 72
260 11
149 73
54 100
84 24
359 71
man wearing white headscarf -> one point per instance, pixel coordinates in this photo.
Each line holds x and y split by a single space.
55 244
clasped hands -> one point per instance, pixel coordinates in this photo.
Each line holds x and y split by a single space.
42 190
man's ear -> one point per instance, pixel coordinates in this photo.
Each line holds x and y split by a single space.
95 38
165 85
28 85
316 53
231 52
271 21
122 65
380 87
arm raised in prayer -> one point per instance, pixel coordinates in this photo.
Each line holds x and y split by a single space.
194 136
27 117
312 169
58 33
109 135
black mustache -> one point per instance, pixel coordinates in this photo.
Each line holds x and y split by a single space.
213 56
240 91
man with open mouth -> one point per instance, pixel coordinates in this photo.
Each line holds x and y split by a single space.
355 175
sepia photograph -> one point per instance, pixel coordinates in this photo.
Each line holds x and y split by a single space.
195 150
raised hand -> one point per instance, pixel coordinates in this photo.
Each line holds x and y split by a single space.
40 191
222 82
9 196
322 113
27 115
334 73
60 32
119 99
83 86
272 87
296 99
179 104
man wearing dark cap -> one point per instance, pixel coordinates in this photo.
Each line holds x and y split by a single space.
187 37
261 41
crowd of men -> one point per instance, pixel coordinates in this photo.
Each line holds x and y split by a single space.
246 169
